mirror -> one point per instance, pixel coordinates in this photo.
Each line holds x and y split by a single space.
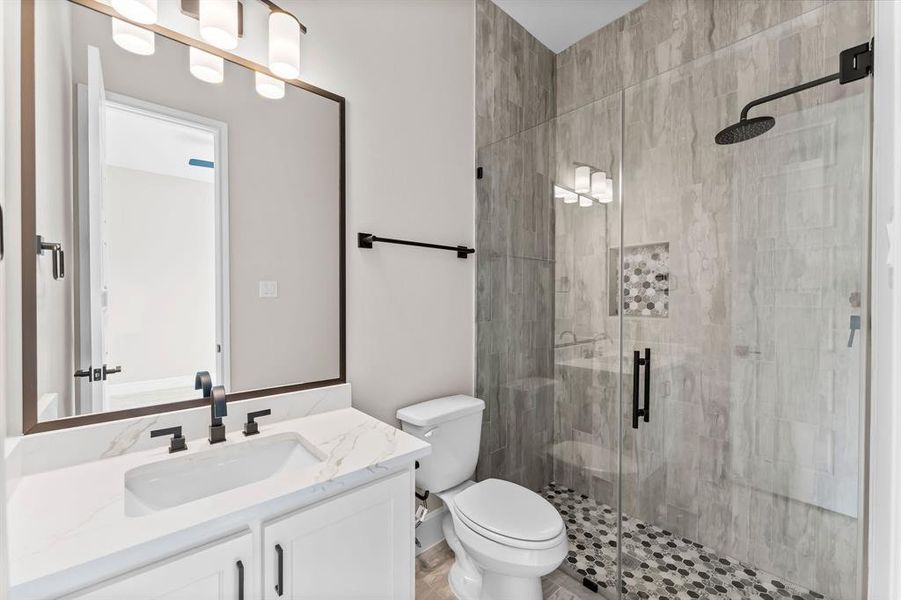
181 226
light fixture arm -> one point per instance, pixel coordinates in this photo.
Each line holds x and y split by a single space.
273 7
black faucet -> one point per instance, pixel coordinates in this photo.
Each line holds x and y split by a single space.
203 381
251 427
218 409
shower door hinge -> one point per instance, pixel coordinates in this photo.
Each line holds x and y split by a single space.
855 63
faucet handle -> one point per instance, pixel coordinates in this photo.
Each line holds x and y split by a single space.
203 381
177 444
251 427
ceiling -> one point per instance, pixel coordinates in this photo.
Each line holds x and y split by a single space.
558 24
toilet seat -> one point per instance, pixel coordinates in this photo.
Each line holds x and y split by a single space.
509 514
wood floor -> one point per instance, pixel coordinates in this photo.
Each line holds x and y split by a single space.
431 579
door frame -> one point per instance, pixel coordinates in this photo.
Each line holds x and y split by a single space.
219 131
882 548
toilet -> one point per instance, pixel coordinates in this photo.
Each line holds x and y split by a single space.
504 536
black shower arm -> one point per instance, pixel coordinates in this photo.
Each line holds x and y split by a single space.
788 92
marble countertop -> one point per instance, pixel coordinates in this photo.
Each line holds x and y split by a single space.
68 527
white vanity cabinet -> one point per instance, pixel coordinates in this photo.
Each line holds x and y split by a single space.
357 545
217 571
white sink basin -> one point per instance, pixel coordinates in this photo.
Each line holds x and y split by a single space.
182 479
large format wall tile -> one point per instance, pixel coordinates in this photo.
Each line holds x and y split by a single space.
662 35
514 231
514 77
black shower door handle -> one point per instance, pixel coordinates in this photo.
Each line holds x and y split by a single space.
637 363
646 413
636 360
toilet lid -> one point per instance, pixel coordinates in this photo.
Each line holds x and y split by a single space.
509 510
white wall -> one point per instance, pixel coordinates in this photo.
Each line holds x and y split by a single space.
11 333
884 549
53 164
406 68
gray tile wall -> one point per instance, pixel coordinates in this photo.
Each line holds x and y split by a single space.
515 241
514 77
753 444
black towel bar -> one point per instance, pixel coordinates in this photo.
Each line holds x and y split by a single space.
365 240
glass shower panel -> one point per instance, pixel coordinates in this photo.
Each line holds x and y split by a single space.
744 279
587 366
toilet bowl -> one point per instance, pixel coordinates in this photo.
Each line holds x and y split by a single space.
504 540
504 536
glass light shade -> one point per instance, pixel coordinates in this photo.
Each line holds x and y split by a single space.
563 194
139 11
284 45
598 183
605 198
585 201
583 180
219 23
205 66
269 87
609 188
133 38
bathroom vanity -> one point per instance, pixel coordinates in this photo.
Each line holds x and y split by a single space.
316 505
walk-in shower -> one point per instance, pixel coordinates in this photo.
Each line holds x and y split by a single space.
731 464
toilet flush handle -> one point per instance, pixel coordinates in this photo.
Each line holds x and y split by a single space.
428 434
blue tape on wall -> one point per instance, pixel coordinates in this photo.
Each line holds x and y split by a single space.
196 162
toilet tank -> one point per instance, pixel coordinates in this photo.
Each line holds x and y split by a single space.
453 426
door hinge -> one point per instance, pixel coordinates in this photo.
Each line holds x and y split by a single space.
855 63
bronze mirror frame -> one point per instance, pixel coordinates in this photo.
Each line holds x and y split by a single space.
30 423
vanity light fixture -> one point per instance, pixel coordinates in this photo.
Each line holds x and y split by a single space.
139 11
583 179
601 187
133 38
568 196
219 23
607 197
269 87
284 44
205 66
598 184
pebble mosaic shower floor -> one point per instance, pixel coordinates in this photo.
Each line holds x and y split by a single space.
656 564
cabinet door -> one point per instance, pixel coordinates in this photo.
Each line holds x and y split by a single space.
210 572
358 545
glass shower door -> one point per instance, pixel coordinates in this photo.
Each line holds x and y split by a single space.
587 411
742 278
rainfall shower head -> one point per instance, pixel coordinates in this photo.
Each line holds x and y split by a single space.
854 63
744 130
